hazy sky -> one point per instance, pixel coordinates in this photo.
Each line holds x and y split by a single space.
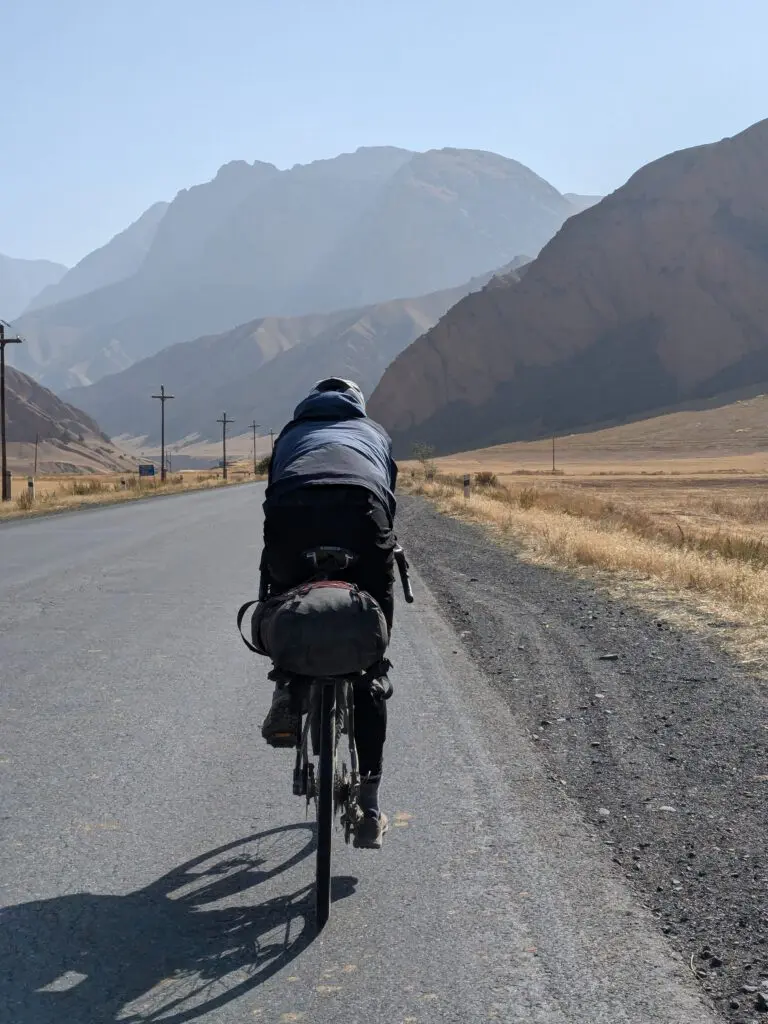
109 105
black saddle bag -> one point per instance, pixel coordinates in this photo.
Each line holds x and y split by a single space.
323 628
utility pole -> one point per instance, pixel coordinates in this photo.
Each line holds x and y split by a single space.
37 440
163 399
224 421
3 342
253 428
272 439
553 453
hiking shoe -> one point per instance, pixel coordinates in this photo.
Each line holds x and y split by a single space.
282 722
369 834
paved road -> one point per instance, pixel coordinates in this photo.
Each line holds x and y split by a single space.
154 866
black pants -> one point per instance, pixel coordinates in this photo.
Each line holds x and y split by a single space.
348 517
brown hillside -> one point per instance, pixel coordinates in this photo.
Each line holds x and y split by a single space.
655 296
69 439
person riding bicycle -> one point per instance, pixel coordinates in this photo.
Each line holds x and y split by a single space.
331 482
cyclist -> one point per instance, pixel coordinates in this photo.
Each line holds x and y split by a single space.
331 482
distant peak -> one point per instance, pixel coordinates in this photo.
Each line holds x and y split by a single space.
241 169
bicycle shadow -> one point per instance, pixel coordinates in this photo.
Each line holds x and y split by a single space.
175 950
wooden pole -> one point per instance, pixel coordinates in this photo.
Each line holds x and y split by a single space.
6 487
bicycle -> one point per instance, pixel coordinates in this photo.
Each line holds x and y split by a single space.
327 712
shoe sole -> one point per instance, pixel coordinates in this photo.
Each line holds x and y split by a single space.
372 844
282 741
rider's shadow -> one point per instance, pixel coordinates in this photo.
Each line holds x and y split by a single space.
186 944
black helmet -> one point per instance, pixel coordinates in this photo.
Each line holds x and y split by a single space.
342 386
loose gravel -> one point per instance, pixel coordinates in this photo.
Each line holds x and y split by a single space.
660 739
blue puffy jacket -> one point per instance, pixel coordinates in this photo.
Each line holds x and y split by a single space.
330 440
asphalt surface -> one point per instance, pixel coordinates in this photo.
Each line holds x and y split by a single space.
154 865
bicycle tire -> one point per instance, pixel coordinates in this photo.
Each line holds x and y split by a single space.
326 777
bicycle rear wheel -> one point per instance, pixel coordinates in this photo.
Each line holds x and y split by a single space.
326 778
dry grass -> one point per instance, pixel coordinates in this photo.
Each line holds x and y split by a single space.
696 542
63 492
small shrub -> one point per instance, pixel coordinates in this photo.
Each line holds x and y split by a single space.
25 501
262 466
486 479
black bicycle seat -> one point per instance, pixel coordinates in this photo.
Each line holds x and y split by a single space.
328 558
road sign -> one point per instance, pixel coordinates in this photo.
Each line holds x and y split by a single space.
146 470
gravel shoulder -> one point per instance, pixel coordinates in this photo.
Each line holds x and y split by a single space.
660 740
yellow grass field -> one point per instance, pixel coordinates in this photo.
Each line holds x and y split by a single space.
671 513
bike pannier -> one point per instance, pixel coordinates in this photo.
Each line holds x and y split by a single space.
324 628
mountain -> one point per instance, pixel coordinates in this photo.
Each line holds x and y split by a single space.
362 228
119 258
582 202
260 369
69 439
444 217
655 296
21 280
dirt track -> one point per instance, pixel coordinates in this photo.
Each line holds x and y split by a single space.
660 740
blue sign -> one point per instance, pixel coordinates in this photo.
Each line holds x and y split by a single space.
146 470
